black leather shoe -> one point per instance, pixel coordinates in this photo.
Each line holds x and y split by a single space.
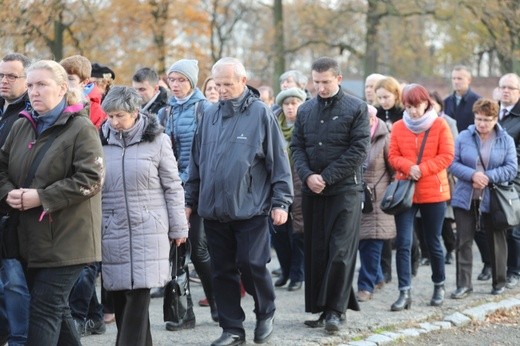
229 339
438 295
316 323
332 321
263 330
461 292
498 291
403 302
485 275
449 258
282 280
294 285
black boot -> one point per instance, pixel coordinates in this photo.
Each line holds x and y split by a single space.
204 271
403 302
438 295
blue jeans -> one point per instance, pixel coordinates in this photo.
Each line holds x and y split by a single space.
51 320
14 303
370 272
432 215
83 300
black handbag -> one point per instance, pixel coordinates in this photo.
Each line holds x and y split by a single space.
368 199
504 206
398 195
504 202
369 196
177 301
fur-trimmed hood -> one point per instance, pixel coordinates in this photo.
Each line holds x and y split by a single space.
146 129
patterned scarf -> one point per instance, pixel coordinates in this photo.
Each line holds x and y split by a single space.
421 124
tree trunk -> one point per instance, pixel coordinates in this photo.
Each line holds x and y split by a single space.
279 45
371 39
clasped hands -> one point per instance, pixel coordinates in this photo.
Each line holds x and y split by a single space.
316 183
23 199
415 172
480 180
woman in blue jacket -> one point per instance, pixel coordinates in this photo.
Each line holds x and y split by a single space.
484 154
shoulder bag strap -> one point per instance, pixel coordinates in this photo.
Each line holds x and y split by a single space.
478 151
38 159
423 144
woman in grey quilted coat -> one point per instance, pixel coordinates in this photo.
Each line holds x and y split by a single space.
143 211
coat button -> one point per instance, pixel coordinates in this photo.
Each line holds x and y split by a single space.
319 143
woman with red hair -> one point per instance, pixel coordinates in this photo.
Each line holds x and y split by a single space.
432 189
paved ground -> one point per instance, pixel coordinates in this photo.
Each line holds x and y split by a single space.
500 328
375 316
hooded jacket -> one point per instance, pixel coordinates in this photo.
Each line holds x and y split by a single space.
97 115
180 124
143 206
378 174
239 167
65 229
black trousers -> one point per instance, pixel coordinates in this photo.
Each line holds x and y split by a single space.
240 250
496 245
331 228
132 317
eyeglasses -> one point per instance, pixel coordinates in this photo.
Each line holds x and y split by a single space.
484 120
178 80
10 77
506 87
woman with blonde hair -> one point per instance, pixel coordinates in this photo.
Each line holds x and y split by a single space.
59 208
388 93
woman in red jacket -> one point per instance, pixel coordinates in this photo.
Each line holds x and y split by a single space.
431 188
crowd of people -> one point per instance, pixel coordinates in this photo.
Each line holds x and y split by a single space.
98 179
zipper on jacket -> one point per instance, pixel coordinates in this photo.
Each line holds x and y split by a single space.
127 214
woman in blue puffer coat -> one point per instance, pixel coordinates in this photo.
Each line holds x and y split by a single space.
484 154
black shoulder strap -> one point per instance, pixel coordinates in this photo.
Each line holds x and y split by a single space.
479 154
198 112
38 159
423 144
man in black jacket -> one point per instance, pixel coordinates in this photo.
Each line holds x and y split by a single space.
509 115
14 294
146 82
330 141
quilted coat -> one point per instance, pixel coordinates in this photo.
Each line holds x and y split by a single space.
142 204
438 154
64 230
378 174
